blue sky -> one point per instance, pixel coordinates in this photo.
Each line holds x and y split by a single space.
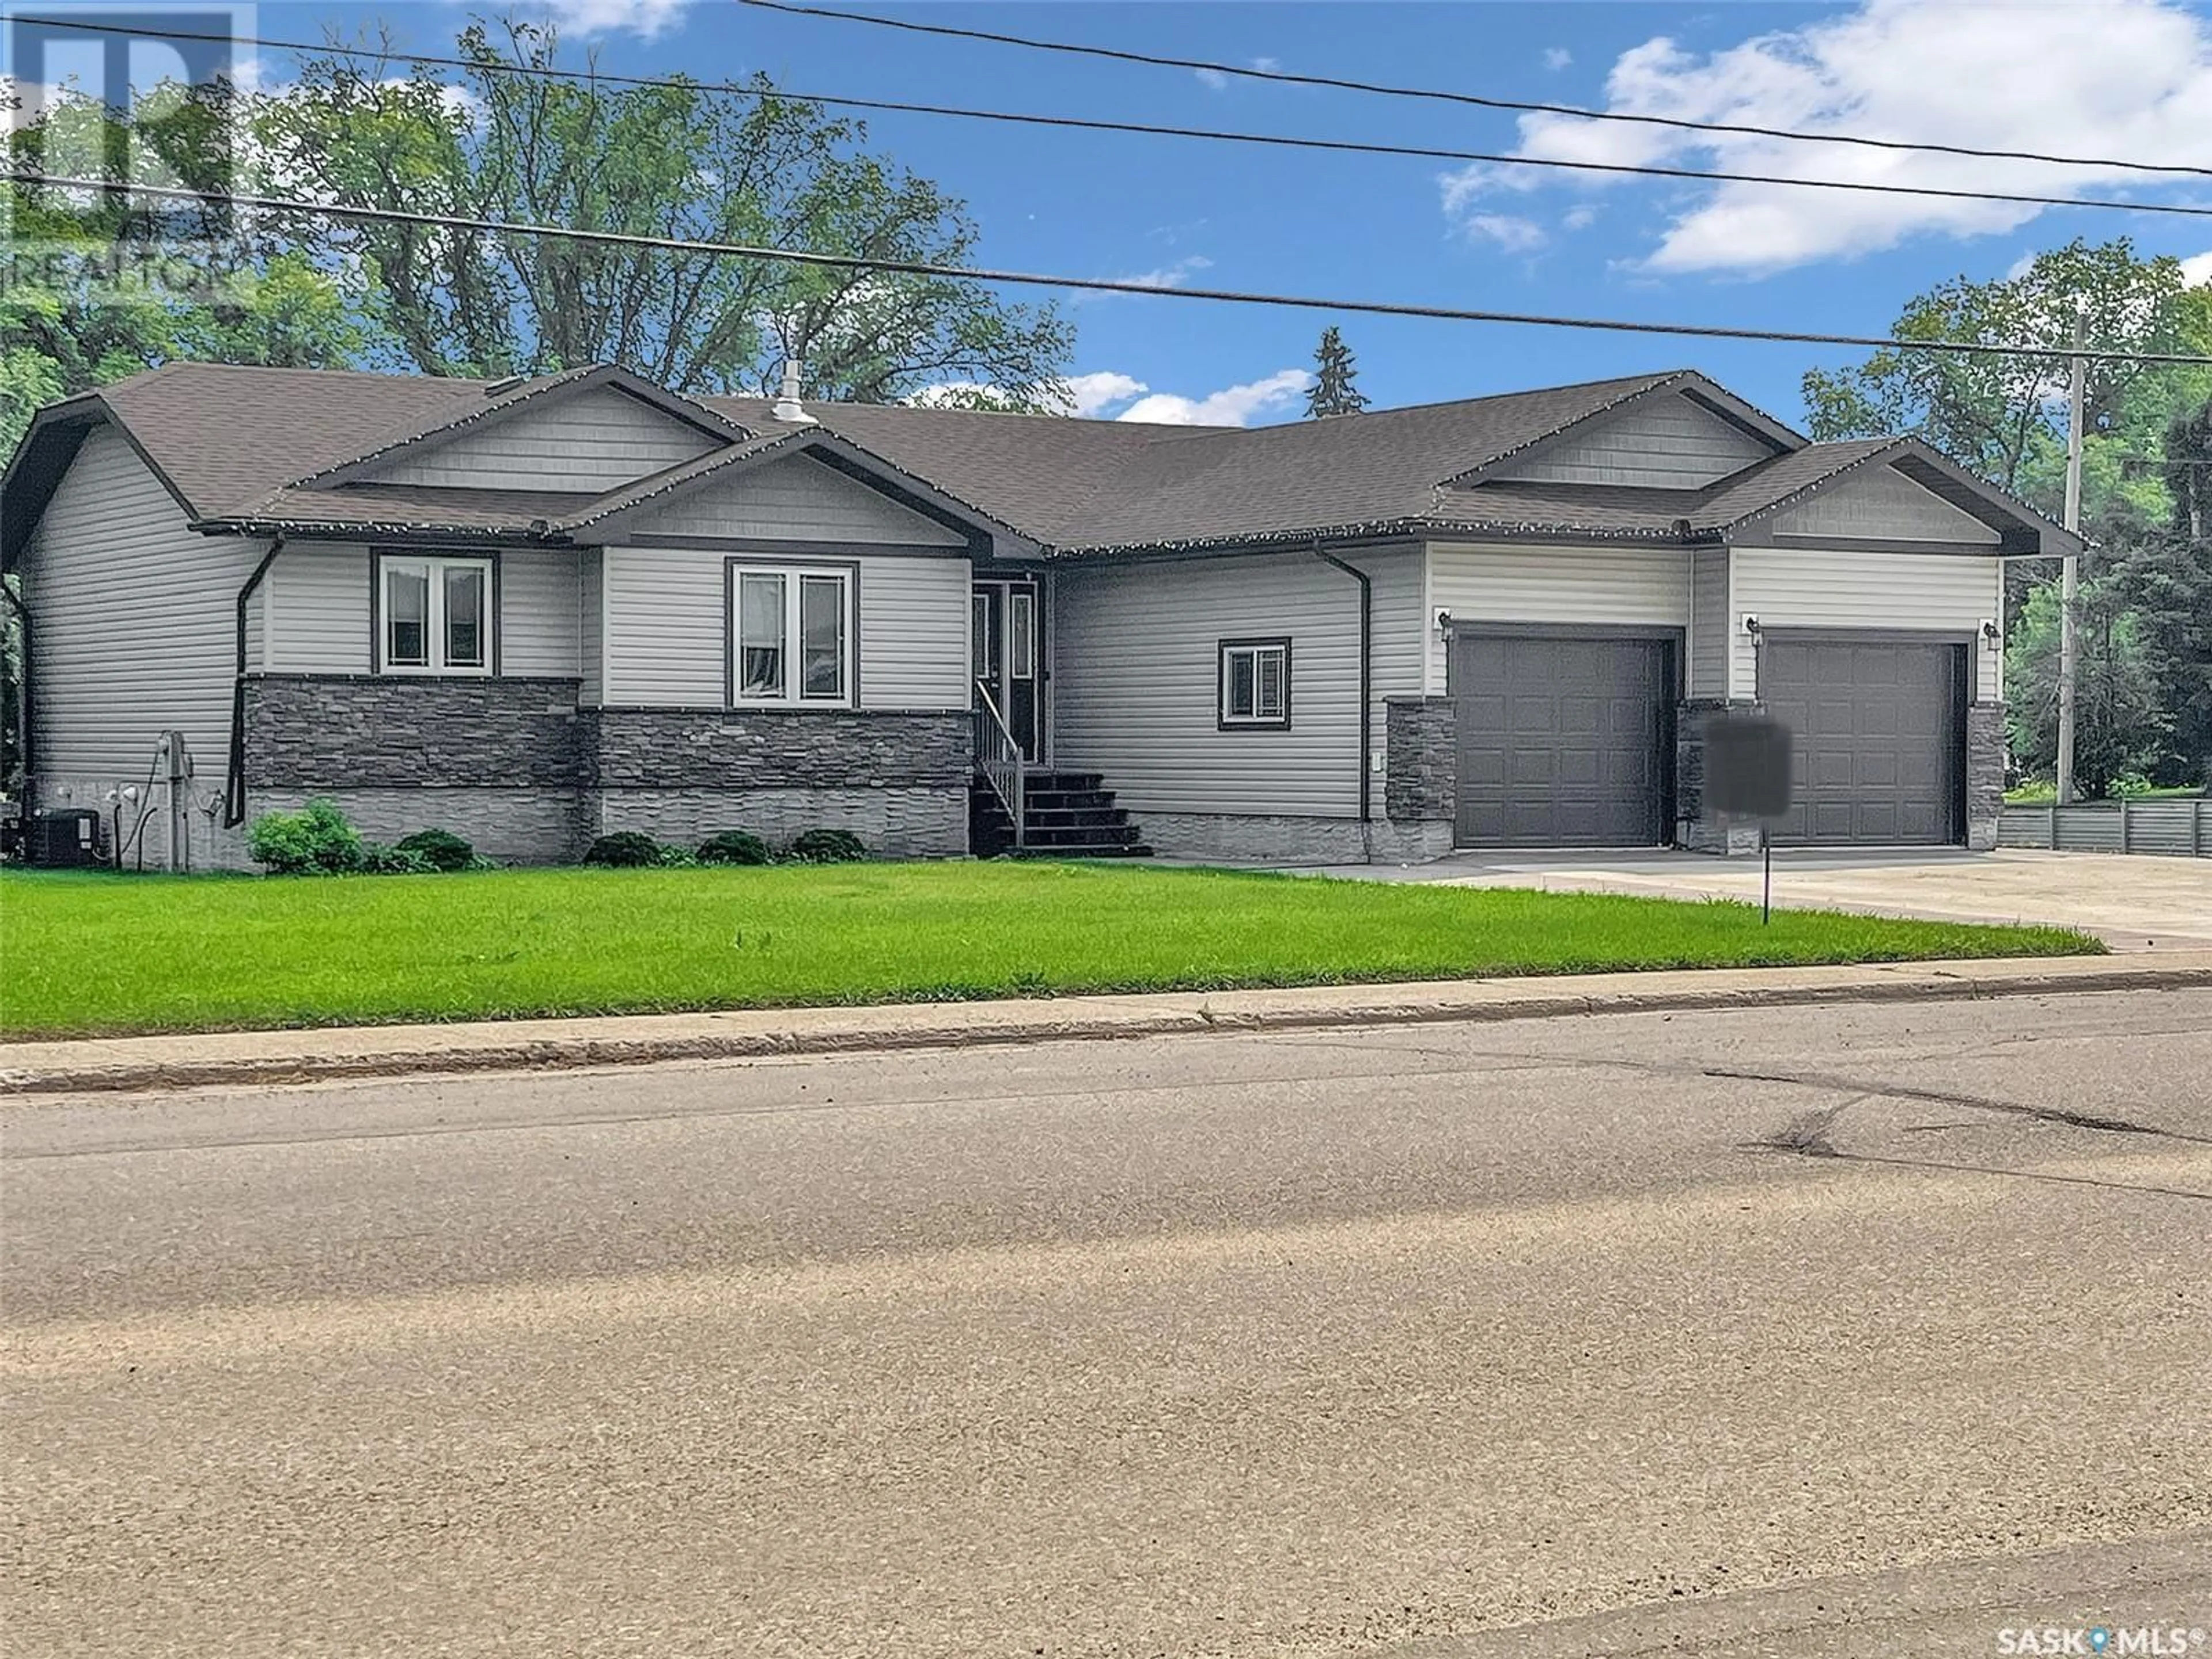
2126 77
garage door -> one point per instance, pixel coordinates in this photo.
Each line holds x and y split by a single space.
1563 740
1878 732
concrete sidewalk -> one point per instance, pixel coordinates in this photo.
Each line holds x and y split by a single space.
298 1056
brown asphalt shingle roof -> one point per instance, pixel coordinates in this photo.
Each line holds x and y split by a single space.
1091 485
242 444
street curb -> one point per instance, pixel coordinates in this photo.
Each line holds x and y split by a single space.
140 1064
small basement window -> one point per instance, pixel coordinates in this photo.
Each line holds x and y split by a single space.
436 615
1255 683
792 630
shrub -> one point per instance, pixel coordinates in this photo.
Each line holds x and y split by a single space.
675 858
733 846
828 846
441 849
625 849
316 841
376 860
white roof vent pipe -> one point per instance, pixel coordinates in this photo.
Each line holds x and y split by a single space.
788 406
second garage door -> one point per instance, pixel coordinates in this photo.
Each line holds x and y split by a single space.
1877 733
1563 738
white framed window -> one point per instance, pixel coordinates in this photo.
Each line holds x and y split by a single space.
791 636
435 613
1255 683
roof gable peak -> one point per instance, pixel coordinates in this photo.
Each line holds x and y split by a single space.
516 396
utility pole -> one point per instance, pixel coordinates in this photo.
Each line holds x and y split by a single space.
2069 581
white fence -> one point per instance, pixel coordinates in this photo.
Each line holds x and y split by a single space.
2180 827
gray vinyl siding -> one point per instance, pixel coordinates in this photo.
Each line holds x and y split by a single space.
797 498
1618 586
1883 503
1661 443
667 629
590 609
1709 623
318 609
319 601
257 627
134 621
594 440
1840 588
539 631
1402 628
1136 690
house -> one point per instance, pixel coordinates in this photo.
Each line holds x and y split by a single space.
534 610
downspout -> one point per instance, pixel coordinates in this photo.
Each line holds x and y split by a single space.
1366 693
233 783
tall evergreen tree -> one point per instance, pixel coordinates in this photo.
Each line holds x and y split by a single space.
2167 576
1333 391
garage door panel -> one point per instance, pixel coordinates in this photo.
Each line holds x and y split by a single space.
1876 729
1561 739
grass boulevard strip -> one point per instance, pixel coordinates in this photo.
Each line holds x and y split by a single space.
92 955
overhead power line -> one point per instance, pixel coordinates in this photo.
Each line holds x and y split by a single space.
1286 141
1437 94
1082 284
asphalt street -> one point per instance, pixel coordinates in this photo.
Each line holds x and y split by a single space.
1810 1331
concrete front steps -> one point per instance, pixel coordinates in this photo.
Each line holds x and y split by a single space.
1067 815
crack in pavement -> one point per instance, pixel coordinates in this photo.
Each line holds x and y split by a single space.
1867 1088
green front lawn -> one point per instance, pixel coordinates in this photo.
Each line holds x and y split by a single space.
82 954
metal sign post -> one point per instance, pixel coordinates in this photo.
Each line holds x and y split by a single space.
1748 776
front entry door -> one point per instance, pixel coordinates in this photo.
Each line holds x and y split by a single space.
1006 641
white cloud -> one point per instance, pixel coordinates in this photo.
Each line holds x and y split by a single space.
1557 57
2124 78
1214 79
1174 276
1512 234
1236 406
646 18
1580 218
1095 393
2199 269
1267 66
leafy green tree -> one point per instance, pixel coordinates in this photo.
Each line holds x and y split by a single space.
681 162
2117 725
96 288
2005 417
1333 391
2166 574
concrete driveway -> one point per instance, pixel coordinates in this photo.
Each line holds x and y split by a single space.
2132 903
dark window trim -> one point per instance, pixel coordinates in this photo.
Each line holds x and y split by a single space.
737 562
494 600
1223 722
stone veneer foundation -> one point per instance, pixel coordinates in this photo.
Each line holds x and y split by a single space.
514 765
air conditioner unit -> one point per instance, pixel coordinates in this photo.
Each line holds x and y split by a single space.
66 839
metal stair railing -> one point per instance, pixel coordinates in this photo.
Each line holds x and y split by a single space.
998 757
